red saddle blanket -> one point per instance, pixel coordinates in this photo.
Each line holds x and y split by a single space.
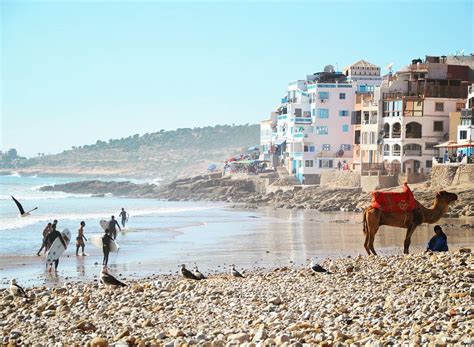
393 201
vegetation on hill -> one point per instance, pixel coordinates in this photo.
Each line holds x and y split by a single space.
164 154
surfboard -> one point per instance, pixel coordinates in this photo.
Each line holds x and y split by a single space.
96 240
104 224
57 248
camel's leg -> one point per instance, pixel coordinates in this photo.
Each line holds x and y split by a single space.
407 242
372 239
366 243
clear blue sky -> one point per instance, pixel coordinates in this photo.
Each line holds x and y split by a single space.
75 72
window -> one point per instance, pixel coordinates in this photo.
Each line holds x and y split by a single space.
325 163
439 106
312 149
323 95
323 113
459 106
430 145
429 164
298 112
345 128
372 137
463 135
314 112
386 149
308 163
343 113
438 126
306 114
326 147
305 148
346 147
342 96
322 130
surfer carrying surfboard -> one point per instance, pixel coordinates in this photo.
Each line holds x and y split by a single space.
53 235
80 239
112 224
106 240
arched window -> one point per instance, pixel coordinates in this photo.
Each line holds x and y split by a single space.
413 130
386 149
396 149
396 130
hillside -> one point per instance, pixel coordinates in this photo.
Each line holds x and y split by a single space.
164 154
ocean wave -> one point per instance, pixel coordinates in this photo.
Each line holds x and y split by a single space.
19 222
13 174
45 196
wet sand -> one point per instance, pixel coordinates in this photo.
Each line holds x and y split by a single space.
251 239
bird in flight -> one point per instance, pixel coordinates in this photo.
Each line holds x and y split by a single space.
21 209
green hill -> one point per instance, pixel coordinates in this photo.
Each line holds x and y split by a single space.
164 154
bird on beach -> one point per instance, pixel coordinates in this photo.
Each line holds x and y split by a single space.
318 268
21 209
109 280
198 274
234 272
16 290
187 274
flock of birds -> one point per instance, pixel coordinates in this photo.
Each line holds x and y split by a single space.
107 279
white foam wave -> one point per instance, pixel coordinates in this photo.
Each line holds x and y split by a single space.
45 196
13 174
19 222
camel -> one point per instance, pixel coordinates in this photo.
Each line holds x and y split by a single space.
373 218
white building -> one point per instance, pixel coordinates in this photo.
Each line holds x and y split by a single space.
465 131
364 74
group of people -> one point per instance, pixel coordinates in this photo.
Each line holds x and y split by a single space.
342 166
50 234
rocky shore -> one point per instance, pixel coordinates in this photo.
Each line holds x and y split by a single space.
247 192
421 299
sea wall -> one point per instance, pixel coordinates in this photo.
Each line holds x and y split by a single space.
443 176
340 179
371 183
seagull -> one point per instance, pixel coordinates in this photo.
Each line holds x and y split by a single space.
198 274
187 274
234 272
109 280
20 208
16 290
317 268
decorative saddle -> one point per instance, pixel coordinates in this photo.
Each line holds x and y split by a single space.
394 201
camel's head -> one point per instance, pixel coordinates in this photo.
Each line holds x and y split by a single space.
446 197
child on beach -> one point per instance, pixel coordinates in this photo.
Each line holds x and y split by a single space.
106 239
46 231
80 239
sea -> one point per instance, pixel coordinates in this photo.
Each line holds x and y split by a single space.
161 235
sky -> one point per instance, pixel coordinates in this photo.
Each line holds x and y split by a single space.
73 72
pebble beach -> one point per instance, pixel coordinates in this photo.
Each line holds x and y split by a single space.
419 299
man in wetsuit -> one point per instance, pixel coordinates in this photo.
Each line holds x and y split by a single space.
112 230
53 235
124 216
106 239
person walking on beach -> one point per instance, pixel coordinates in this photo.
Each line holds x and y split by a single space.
439 242
46 232
53 235
80 239
124 216
106 240
112 224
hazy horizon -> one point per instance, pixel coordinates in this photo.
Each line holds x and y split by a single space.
73 73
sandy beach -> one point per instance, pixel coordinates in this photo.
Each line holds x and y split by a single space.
421 299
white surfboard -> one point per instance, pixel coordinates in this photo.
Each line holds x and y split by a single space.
104 224
57 248
96 240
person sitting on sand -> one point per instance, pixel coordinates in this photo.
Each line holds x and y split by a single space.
112 224
106 240
46 232
80 239
439 242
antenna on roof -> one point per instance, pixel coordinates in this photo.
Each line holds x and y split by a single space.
389 67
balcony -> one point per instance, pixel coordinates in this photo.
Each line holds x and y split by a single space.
298 136
296 155
396 135
282 117
302 120
412 152
467 113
